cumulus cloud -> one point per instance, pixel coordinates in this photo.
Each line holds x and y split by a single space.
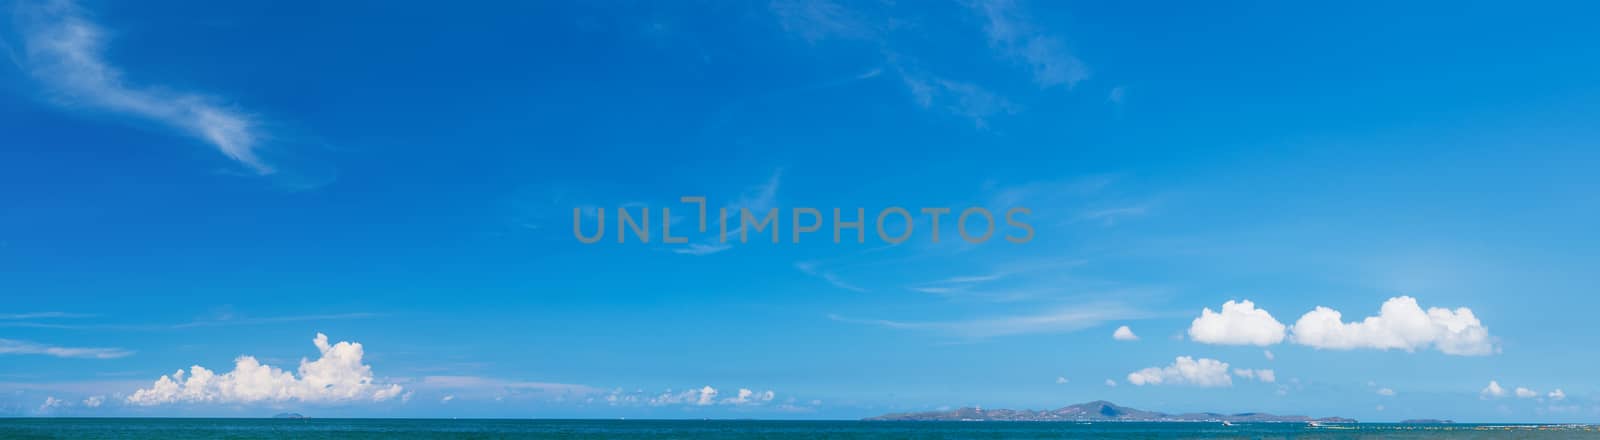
1524 393
1111 383
10 346
1558 395
1385 392
337 376
1124 333
1061 380
1239 323
1400 324
1492 391
94 401
1185 370
63 50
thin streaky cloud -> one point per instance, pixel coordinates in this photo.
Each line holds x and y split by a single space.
278 319
11 346
44 315
1109 216
1061 320
63 50
810 268
1014 35
757 199
191 324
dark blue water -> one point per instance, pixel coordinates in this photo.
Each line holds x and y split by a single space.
178 429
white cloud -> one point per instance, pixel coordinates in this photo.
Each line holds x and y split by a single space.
1124 333
1116 95
702 248
1110 216
484 388
1061 380
1239 323
1058 321
43 315
1268 354
1493 390
816 20
1111 383
1185 371
1524 393
9 346
63 51
810 268
50 403
1263 375
1013 35
94 401
1400 324
1385 392
955 97
337 376
707 395
447 398
1558 395
704 396
747 397
757 199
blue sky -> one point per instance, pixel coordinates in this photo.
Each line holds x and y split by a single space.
215 185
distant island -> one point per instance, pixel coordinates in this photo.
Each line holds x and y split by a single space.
289 416
1097 411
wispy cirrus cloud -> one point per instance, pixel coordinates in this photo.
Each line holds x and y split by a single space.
34 322
63 50
811 268
43 315
1110 216
481 387
1061 320
1014 35
10 346
758 199
1007 28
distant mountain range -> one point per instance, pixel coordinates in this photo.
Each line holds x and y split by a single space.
1098 411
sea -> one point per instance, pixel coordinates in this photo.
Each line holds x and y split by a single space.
179 429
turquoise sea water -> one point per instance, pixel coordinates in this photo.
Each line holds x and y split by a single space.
42 428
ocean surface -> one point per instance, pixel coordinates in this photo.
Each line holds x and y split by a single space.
177 429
